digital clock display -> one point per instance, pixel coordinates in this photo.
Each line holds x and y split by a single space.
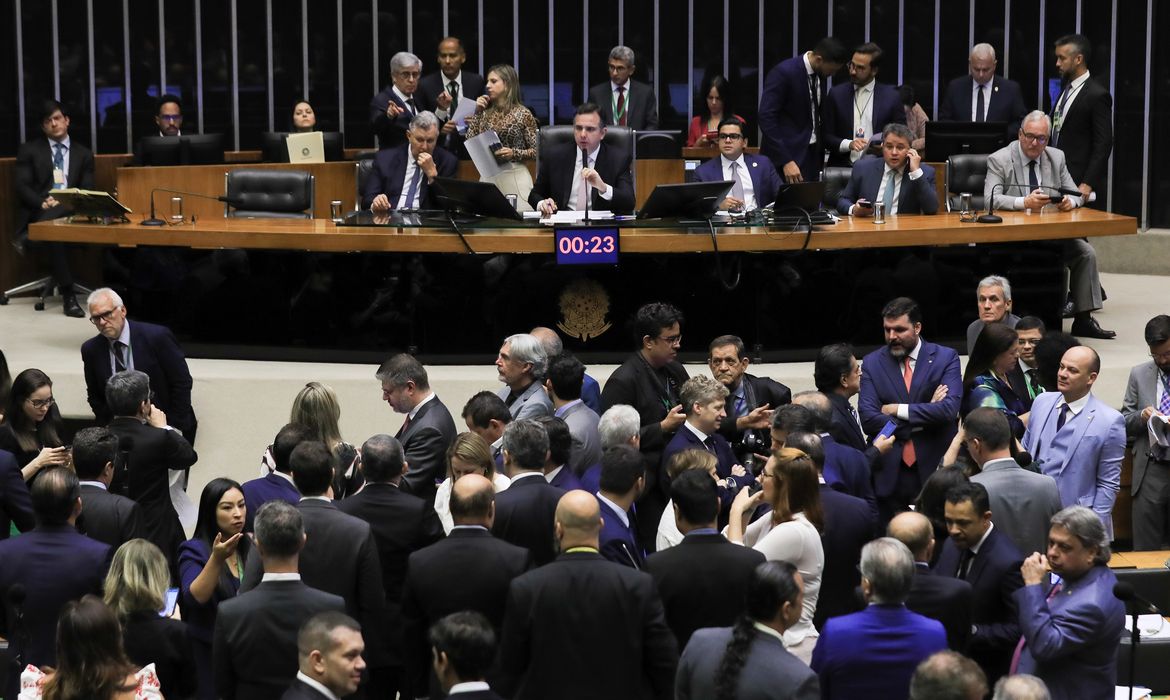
587 246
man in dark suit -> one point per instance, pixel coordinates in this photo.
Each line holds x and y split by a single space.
558 470
750 399
428 429
255 647
1024 378
151 451
622 481
525 510
844 466
899 179
791 112
43 165
703 581
649 381
278 485
941 598
564 181
981 95
704 402
564 383
486 415
755 177
392 109
993 297
148 348
1147 395
464 648
621 628
899 385
401 524
1082 119
555 348
329 656
984 557
402 175
15 503
106 517
438 576
625 102
446 87
46 568
857 111
837 374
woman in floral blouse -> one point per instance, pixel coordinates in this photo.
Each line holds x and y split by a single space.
500 111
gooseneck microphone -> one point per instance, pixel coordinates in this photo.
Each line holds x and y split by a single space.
1123 591
155 221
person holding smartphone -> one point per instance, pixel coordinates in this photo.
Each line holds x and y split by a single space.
900 179
31 429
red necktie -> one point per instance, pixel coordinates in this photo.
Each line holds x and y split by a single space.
1015 665
908 456
621 106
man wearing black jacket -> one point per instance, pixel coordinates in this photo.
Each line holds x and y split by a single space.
564 181
750 399
106 517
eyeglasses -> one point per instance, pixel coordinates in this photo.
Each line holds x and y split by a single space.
730 137
671 339
42 403
104 317
170 118
408 75
1034 138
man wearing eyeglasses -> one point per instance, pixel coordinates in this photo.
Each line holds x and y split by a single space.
625 102
392 110
857 111
756 180
1145 407
121 345
1026 174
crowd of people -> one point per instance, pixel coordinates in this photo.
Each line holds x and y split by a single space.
939 536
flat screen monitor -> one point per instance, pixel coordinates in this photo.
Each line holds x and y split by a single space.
160 150
945 139
273 150
482 198
802 195
694 200
203 149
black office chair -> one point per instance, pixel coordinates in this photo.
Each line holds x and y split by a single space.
656 145
835 178
362 169
966 172
619 137
269 194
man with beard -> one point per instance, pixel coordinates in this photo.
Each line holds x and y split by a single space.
1147 399
857 111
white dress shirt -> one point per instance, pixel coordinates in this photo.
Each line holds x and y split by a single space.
458 79
904 408
411 167
573 204
862 119
808 69
64 155
745 178
124 338
987 92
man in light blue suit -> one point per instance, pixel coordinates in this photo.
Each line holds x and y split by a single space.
899 179
1078 440
755 178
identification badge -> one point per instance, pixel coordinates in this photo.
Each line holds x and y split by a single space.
58 176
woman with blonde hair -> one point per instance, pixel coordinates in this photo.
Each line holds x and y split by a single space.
316 407
468 454
668 532
500 111
136 590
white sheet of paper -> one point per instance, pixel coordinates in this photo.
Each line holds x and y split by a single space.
481 154
463 110
1121 692
570 216
184 508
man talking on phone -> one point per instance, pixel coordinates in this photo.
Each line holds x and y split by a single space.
900 179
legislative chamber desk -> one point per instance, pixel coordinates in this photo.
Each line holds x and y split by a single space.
311 285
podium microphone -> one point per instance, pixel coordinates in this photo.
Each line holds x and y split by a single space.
155 221
588 187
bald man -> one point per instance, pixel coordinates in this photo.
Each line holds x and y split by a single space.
553 347
941 598
622 630
981 95
1076 439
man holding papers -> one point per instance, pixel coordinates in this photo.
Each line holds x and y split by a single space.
402 175
572 174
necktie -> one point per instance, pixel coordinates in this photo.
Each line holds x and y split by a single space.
814 98
619 110
1033 179
583 190
405 425
412 191
980 107
709 445
59 164
740 407
1015 665
1062 417
908 455
1164 402
964 564
737 188
453 88
1034 388
410 106
888 199
119 356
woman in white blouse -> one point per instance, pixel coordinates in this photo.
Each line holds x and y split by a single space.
791 532
468 454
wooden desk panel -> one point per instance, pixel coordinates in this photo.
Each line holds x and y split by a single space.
1139 560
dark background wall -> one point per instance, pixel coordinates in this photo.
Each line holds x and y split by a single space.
239 65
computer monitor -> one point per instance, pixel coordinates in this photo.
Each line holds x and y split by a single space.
203 149
694 200
472 197
945 139
160 150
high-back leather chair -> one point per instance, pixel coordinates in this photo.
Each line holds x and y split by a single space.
362 169
619 137
269 194
835 178
966 172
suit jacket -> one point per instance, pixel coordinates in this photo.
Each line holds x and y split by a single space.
272 487
848 467
914 196
849 524
1005 104
300 690
255 649
533 402
976 327
389 174
1086 135
839 113
154 350
108 517
1018 381
757 391
566 480
150 639
435 84
770 672
994 575
425 442
392 132
1008 169
873 653
436 586
154 452
619 542
621 631
55 564
525 512
931 426
591 393
945 599
641 106
15 501
1071 640
845 429
1084 456
582 421
554 178
765 180
685 439
1022 503
703 582
34 178
1140 391
786 114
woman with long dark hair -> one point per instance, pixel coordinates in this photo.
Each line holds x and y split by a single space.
716 104
91 664
303 118
211 565
932 499
985 381
31 430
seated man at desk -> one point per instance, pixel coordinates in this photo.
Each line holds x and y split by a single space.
401 177
755 178
899 179
571 173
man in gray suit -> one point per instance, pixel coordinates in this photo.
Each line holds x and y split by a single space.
428 429
521 365
1025 174
1148 395
1022 502
563 382
994 298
